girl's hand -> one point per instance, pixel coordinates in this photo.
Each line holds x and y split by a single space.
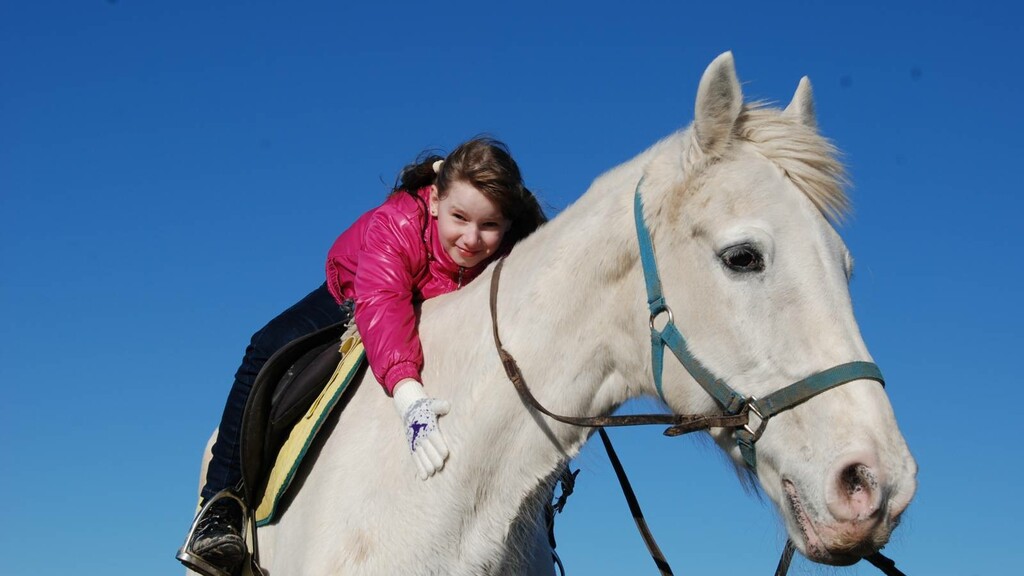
419 414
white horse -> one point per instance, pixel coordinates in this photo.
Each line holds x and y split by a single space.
739 206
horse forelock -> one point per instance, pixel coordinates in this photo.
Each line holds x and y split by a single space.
807 158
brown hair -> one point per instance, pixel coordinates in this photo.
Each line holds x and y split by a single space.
487 165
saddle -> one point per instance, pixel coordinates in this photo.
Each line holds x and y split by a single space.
291 397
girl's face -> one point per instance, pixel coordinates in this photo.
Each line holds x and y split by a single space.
469 224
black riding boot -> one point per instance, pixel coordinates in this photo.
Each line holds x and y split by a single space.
216 547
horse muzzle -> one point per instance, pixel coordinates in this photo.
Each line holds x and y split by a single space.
858 516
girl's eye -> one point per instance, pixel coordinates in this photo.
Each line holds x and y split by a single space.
459 217
742 258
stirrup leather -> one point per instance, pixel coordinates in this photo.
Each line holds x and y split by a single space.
194 561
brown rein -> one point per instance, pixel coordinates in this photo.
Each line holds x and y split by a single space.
679 424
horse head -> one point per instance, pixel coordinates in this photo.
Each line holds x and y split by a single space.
741 210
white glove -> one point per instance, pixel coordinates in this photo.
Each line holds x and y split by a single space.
419 414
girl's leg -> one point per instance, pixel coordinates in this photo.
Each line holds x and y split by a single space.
317 310
218 541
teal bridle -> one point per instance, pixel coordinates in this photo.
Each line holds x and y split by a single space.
737 408
731 401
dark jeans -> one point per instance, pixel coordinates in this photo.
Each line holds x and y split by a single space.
317 310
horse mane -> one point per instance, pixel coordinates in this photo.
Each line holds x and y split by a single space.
808 159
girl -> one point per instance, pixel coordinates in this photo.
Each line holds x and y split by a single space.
442 224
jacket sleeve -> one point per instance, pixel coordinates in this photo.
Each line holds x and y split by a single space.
391 255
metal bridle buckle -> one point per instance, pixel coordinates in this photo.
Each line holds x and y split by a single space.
762 421
663 309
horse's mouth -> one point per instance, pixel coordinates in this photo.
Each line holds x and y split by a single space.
814 547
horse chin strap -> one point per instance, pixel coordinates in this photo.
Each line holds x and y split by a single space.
731 401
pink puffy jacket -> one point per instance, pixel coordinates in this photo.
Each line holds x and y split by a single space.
390 259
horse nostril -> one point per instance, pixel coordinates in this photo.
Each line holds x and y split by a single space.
857 478
856 494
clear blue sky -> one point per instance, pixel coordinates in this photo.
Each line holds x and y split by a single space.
171 175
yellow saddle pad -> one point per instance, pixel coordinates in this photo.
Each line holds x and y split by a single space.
301 437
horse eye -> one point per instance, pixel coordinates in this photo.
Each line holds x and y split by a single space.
743 258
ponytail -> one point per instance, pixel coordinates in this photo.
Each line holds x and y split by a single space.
417 175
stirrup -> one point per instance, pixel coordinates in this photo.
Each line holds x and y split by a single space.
194 561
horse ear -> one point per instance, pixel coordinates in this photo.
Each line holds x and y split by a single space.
719 101
802 105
